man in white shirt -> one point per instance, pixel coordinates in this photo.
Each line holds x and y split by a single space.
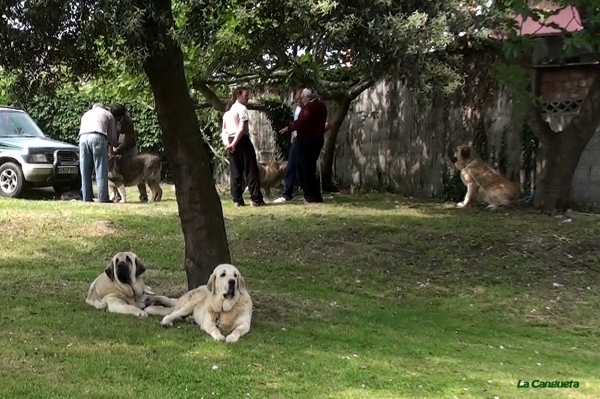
97 131
242 156
290 172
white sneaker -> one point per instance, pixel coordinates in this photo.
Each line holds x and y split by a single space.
280 200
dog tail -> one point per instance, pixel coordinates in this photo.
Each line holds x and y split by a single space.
153 170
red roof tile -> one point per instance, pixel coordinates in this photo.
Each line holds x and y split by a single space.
568 18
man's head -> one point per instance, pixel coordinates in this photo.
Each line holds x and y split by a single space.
306 95
298 96
118 111
99 105
242 94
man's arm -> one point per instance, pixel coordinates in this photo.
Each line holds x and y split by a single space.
302 120
238 134
224 135
111 136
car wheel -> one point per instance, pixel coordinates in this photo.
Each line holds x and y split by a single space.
12 182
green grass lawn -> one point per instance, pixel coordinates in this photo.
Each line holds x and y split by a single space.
375 296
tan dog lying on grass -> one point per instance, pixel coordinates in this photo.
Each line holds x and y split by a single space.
121 289
222 305
483 182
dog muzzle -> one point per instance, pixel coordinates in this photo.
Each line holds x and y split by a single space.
230 290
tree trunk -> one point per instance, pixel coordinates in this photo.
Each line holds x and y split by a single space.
558 160
335 123
559 153
199 204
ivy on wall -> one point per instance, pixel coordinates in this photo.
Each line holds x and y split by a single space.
279 114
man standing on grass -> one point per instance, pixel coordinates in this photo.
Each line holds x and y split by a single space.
242 156
97 132
311 127
290 171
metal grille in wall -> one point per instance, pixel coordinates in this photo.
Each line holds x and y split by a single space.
561 107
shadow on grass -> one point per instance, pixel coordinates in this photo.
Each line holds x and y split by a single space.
415 301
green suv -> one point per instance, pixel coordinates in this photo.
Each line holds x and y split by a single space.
30 159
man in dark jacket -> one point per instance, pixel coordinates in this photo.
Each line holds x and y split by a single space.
310 128
127 140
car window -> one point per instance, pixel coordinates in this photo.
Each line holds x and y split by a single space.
18 124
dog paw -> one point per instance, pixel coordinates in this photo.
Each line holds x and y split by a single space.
217 336
492 207
231 338
461 204
165 322
141 314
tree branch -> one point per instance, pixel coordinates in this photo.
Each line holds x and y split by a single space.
247 78
360 87
210 95
540 127
252 106
335 95
587 119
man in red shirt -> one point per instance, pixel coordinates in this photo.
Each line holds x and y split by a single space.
310 128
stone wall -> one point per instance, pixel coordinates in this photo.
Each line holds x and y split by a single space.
392 142
562 90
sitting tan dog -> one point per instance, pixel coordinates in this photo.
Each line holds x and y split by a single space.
223 304
126 171
483 182
121 289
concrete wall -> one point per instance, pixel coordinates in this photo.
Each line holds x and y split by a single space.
562 90
391 141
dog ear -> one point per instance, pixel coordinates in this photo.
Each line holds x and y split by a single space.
139 267
241 283
211 283
465 152
110 269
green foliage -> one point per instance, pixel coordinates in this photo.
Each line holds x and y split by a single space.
210 122
7 81
58 113
280 114
513 71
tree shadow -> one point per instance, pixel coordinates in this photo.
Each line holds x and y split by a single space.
408 293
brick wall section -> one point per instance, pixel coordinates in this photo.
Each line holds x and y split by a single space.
563 84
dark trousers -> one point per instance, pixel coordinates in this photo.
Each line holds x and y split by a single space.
243 164
290 172
309 150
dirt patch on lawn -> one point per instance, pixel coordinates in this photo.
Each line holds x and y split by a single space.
104 227
280 309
